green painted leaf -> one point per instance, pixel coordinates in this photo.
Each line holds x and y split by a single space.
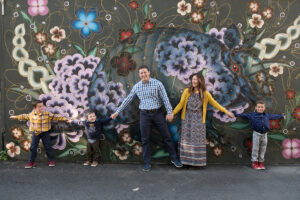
132 49
146 9
239 125
79 49
92 52
288 117
160 154
297 98
57 54
25 16
260 34
136 27
53 60
206 26
277 136
80 146
66 153
32 93
132 143
204 72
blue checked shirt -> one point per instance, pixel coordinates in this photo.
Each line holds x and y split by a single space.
151 95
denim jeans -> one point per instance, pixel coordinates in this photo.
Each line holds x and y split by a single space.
259 146
159 121
45 136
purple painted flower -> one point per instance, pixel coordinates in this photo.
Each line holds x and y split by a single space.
73 75
106 97
223 117
218 34
60 139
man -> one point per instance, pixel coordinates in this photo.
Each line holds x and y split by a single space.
152 95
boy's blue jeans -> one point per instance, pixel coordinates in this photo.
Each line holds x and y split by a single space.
259 146
45 136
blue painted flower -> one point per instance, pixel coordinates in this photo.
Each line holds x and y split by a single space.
86 22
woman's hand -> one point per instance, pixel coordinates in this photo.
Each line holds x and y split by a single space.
230 114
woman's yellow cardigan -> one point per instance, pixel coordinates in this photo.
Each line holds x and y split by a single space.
207 98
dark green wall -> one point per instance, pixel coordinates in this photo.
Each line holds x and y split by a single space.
121 38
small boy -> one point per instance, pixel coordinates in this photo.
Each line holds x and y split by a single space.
260 124
40 125
93 131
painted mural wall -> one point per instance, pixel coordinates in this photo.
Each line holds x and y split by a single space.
80 54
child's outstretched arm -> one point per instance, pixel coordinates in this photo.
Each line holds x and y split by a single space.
243 115
22 117
105 120
276 116
57 117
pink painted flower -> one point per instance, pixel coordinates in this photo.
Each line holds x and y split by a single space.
291 148
267 13
253 6
38 7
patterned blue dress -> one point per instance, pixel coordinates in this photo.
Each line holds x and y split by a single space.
192 143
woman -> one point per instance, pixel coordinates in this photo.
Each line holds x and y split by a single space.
193 103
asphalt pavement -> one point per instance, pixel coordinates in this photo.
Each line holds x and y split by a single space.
73 181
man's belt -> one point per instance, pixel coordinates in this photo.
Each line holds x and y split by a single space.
150 111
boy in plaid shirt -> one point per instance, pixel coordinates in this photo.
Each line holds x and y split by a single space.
40 125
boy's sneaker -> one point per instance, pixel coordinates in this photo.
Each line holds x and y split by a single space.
261 165
94 164
255 165
51 164
86 163
30 165
147 168
176 163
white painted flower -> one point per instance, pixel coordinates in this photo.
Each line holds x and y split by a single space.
183 8
256 21
12 150
275 70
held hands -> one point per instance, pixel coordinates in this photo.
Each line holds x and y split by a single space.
230 114
170 117
114 116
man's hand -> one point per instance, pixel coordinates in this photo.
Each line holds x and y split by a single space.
170 117
12 117
230 114
114 116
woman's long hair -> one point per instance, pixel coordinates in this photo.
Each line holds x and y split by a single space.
201 86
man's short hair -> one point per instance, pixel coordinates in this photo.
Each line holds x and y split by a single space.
144 67
36 102
260 102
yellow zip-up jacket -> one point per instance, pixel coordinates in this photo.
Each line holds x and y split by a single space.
207 98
